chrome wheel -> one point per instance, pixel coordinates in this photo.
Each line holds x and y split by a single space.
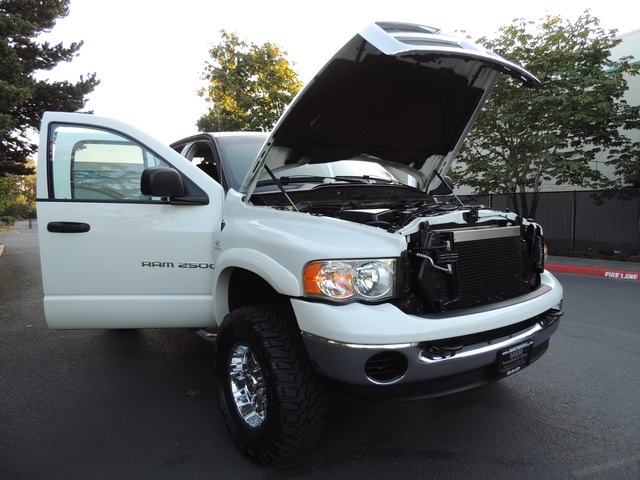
248 386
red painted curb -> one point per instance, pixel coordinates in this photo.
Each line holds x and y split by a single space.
599 272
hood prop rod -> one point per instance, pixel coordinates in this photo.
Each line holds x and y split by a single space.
277 182
450 189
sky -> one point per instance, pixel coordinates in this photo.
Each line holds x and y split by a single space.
149 56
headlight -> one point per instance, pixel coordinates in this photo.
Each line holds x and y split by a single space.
350 279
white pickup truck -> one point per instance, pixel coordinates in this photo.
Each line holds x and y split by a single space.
329 252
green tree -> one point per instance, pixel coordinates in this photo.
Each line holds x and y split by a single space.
525 138
629 167
18 194
23 97
249 85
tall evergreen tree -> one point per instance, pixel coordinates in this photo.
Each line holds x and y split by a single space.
23 97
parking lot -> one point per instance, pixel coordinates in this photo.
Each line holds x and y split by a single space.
143 405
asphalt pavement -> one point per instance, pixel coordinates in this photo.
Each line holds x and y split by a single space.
100 404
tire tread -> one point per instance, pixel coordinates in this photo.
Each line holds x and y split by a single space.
297 407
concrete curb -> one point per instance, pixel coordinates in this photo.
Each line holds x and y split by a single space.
598 272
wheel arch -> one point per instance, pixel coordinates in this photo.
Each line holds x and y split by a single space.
246 277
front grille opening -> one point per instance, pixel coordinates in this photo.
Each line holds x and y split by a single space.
386 367
468 268
490 270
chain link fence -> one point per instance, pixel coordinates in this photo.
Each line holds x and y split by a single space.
601 221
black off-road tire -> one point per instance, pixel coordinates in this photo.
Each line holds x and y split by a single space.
294 415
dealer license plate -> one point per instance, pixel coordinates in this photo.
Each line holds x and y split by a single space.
514 359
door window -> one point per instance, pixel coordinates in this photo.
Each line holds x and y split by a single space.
97 165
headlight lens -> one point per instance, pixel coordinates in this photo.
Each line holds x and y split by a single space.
350 279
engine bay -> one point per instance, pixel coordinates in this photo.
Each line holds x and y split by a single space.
471 256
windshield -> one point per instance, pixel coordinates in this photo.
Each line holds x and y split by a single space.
239 152
357 170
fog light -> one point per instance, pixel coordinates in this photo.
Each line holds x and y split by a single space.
386 367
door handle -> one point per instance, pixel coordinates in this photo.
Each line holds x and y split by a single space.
68 227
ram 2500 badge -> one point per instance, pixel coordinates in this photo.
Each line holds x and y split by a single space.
327 253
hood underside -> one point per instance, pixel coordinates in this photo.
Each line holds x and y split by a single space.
400 92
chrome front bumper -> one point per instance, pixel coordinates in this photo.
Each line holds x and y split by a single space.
426 369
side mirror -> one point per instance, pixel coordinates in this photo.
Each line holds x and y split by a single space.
445 187
161 182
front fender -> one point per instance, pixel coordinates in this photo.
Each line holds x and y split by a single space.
282 280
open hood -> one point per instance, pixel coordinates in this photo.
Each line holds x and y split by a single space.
401 92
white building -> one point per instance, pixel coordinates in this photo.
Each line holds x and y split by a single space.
629 47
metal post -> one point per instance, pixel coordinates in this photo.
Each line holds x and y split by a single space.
574 215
